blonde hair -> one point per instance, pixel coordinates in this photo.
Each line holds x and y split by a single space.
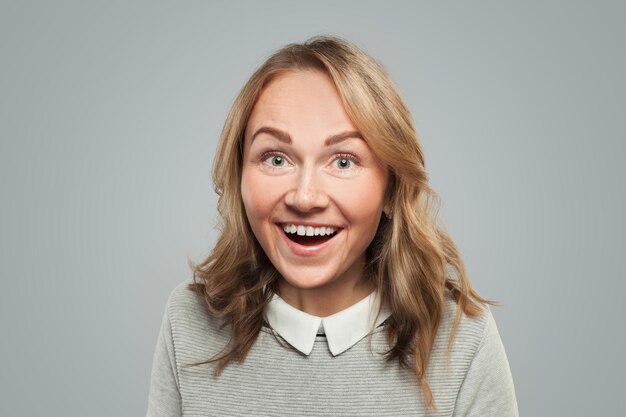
412 260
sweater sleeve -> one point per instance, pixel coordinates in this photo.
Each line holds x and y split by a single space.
487 389
164 397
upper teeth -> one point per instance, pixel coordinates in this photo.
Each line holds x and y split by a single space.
308 230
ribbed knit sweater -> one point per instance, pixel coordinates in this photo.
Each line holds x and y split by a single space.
277 380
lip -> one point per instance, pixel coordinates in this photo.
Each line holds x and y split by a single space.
312 224
301 250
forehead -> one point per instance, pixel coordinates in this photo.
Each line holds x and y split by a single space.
300 99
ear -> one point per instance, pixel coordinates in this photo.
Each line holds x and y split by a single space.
387 209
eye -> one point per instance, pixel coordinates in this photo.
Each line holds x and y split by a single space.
343 163
275 160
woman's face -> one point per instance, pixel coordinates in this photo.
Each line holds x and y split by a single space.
313 190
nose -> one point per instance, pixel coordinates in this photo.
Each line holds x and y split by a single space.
307 194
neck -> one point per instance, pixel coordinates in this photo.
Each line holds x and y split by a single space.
326 300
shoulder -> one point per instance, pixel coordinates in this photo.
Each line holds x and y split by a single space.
481 366
471 331
183 304
195 332
448 369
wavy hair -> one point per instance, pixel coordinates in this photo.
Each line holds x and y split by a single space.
411 261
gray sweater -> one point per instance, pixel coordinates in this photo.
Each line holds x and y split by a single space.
276 379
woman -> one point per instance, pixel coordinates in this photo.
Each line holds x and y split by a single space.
331 289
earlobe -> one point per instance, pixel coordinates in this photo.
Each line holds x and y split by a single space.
388 199
388 211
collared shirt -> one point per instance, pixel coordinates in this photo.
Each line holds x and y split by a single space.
343 329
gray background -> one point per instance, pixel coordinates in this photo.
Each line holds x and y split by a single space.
110 113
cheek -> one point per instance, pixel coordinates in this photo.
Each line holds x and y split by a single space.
363 200
252 199
257 196
364 213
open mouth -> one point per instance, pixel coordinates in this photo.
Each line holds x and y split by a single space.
308 239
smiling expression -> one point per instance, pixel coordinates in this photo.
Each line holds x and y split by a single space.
312 189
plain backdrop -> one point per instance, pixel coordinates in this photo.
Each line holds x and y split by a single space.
110 115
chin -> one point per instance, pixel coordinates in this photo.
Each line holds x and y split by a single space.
303 280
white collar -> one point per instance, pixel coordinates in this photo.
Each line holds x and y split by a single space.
343 329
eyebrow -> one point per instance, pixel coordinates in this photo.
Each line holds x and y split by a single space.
286 138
